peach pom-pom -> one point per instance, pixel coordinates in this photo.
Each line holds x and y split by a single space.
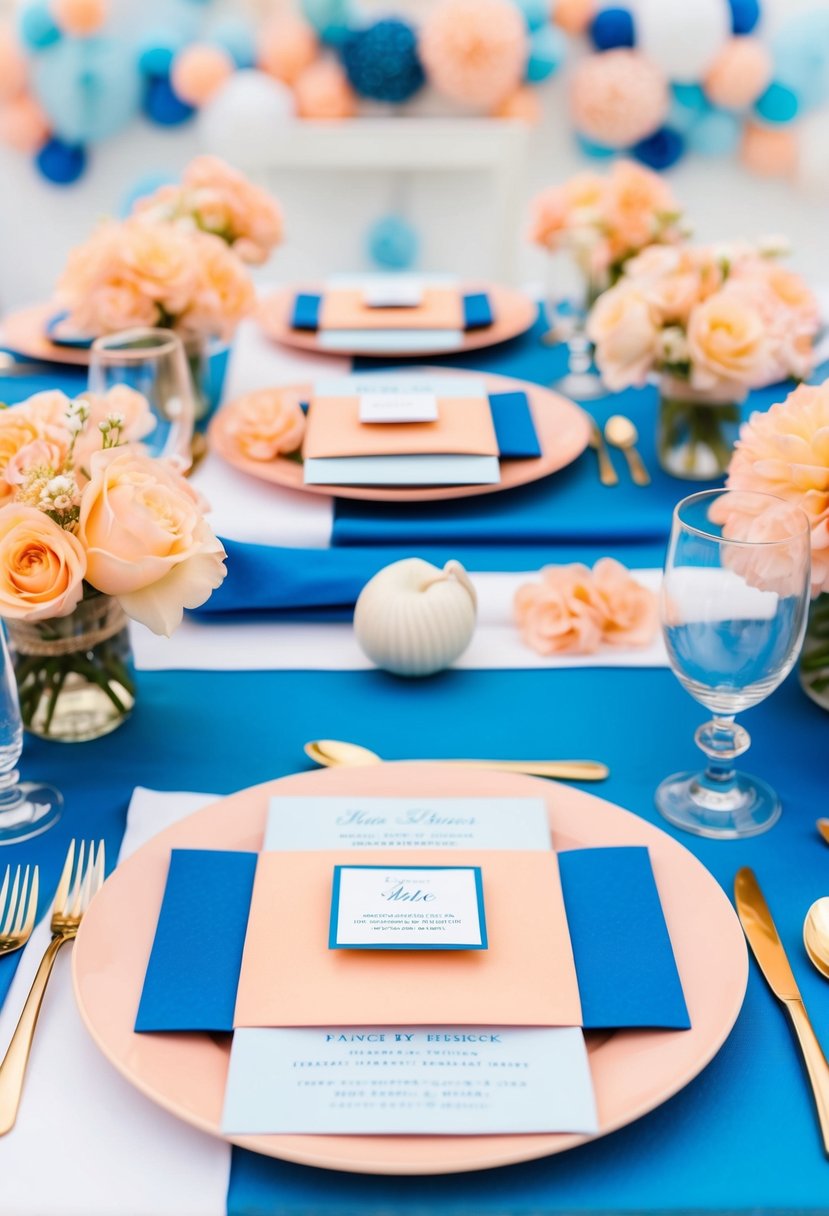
323 91
474 51
288 46
523 105
769 151
23 124
12 64
79 17
739 74
618 98
573 16
199 71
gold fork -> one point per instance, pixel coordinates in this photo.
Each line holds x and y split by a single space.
17 909
607 473
78 883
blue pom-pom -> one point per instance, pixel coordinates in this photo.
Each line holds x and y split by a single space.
90 88
148 184
381 61
61 163
548 50
801 57
715 134
612 27
235 35
594 151
744 15
37 27
660 150
393 243
157 49
778 104
162 106
535 12
332 19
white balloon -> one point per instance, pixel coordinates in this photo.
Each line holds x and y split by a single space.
240 120
682 37
813 153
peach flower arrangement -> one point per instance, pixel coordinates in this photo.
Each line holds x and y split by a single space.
603 221
265 424
575 610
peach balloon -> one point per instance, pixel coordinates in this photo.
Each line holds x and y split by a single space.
79 17
523 105
769 151
23 124
12 64
739 74
617 98
287 47
323 91
573 16
199 71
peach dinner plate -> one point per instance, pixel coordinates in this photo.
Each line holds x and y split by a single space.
514 314
563 431
633 1071
24 333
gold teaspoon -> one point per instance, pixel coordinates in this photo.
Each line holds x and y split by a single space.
620 433
816 935
332 753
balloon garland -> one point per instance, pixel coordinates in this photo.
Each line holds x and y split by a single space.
652 79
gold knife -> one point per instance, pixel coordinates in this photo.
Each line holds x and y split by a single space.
767 948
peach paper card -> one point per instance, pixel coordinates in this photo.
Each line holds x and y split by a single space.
440 308
290 977
464 428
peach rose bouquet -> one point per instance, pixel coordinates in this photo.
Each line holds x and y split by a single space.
92 530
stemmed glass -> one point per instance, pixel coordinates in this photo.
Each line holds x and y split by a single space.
154 363
581 381
733 607
26 809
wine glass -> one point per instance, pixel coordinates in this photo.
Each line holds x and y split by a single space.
733 606
581 381
26 809
154 363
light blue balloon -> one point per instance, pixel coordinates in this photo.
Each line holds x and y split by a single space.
393 243
801 57
688 105
37 27
716 133
536 12
548 50
594 151
148 184
235 35
90 88
332 19
779 104
157 49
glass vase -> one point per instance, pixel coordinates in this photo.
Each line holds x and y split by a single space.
814 659
696 431
74 673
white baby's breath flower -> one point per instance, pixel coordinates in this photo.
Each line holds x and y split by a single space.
774 245
673 345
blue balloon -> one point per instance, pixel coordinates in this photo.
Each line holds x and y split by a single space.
381 61
691 96
332 19
90 88
235 35
744 15
37 27
157 49
148 184
612 27
162 106
660 150
715 134
535 12
548 49
393 243
778 104
60 162
595 151
801 57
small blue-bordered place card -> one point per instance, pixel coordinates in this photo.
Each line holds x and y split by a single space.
407 908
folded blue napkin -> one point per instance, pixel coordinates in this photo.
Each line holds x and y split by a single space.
625 964
477 311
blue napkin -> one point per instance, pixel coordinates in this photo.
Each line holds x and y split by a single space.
624 961
477 311
192 975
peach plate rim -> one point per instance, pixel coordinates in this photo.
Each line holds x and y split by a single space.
515 313
24 332
185 1074
563 430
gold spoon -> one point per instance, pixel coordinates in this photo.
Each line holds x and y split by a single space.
333 753
823 828
607 474
620 433
816 935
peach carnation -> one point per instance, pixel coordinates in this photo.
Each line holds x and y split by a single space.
266 424
619 97
573 609
638 202
474 51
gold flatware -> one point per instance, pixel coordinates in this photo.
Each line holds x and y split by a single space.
816 935
823 828
18 909
607 474
620 433
332 753
78 883
767 948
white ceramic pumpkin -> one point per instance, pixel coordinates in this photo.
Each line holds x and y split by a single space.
414 619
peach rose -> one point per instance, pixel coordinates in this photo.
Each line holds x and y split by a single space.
244 211
638 203
728 342
146 540
623 327
550 216
266 423
631 613
42 567
17 432
224 293
120 401
48 410
559 615
39 454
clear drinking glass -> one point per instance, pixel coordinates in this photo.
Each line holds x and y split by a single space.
581 381
733 605
26 810
154 363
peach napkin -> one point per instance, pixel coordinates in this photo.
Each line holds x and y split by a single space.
440 308
464 428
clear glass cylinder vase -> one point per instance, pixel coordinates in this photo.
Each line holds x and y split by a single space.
696 431
74 673
814 658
